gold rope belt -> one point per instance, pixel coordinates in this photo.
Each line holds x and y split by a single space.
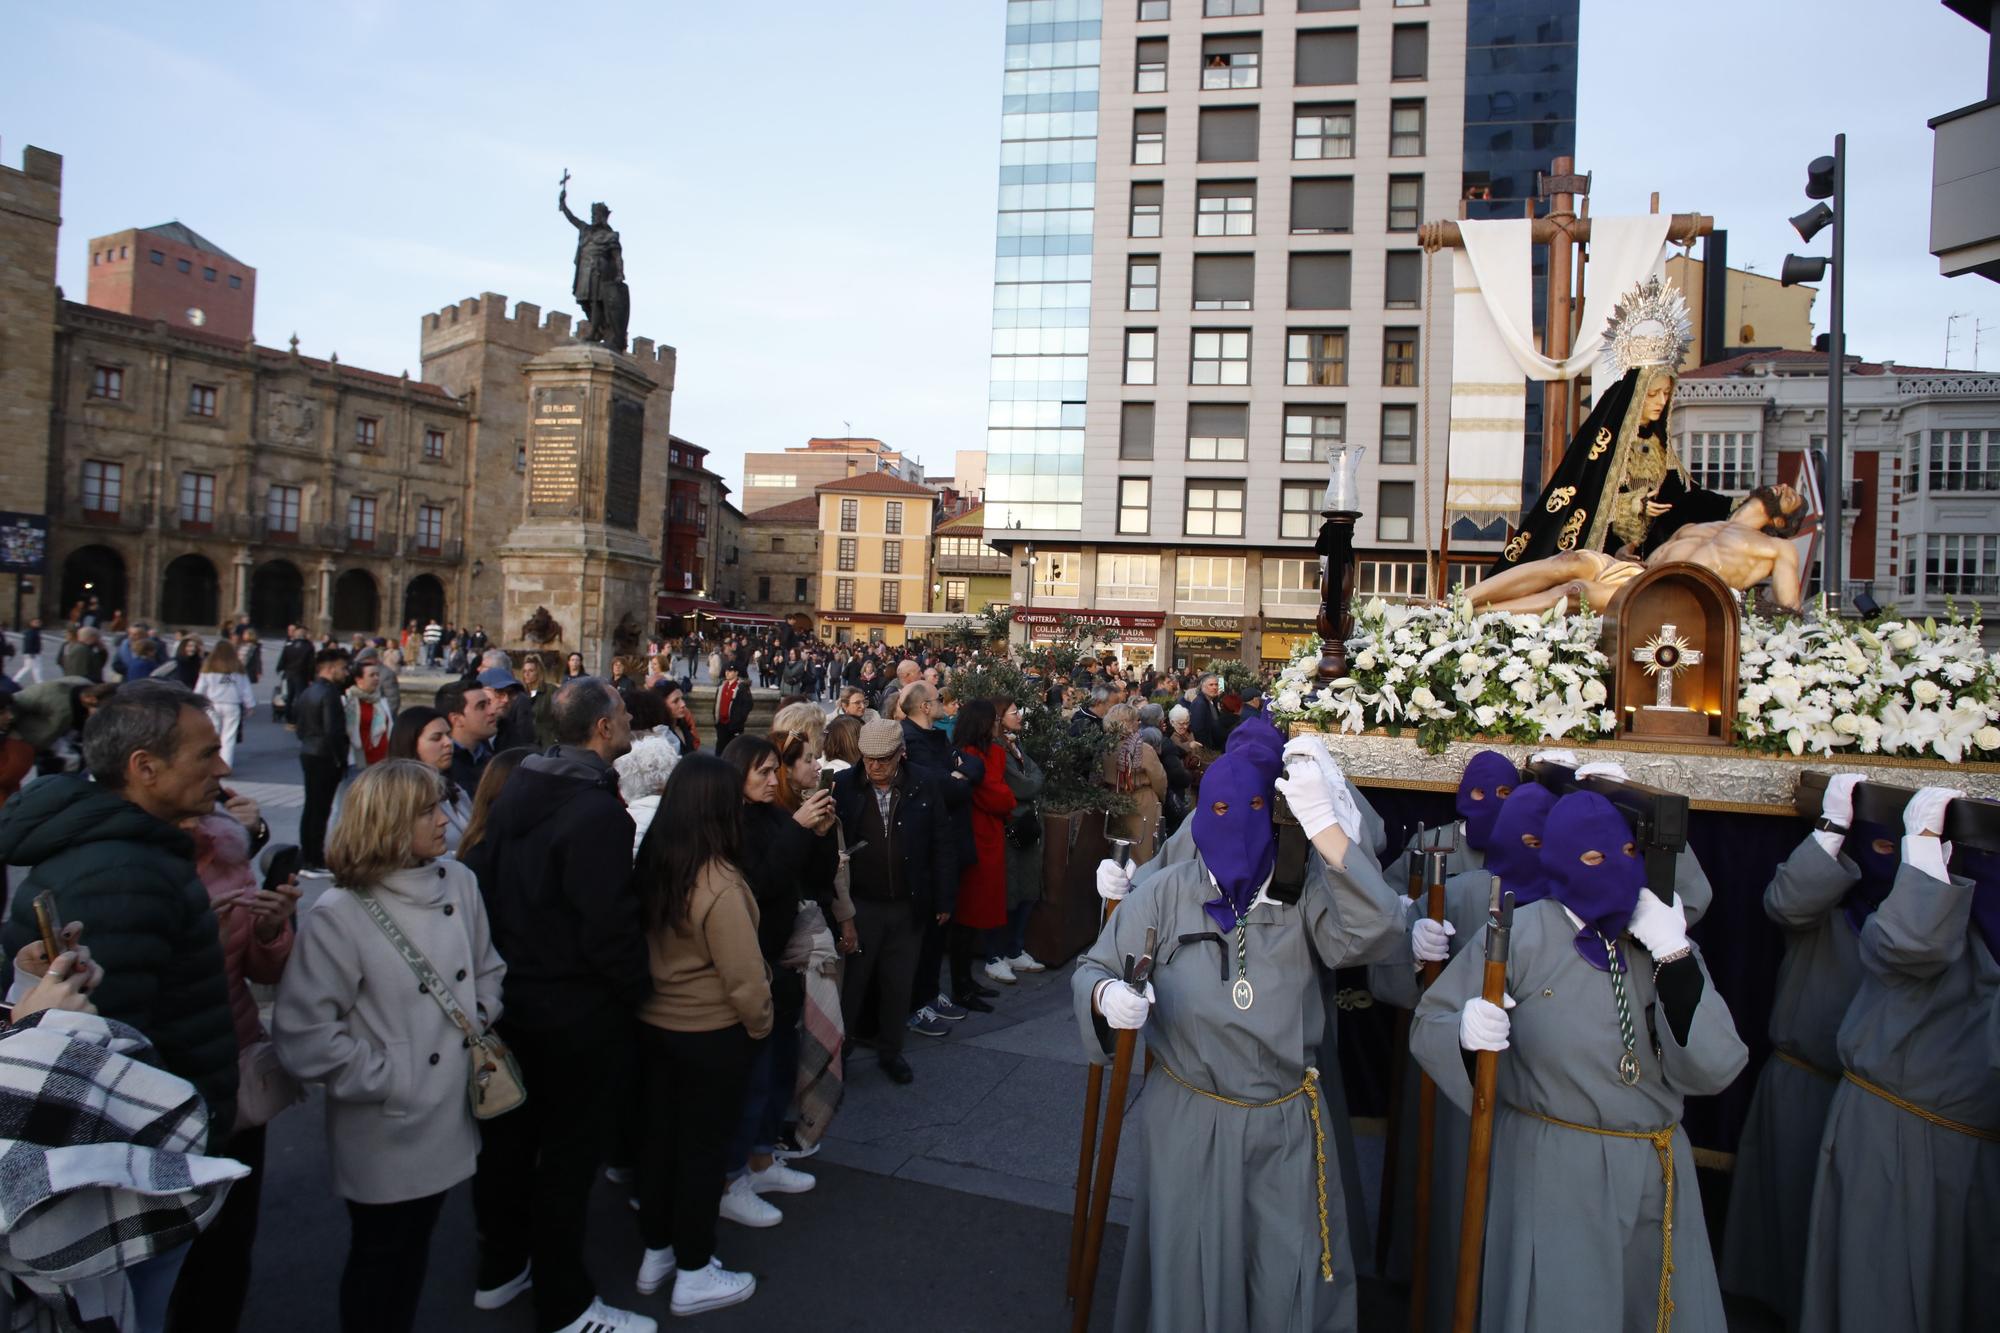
1971 1131
1310 1091
1663 1144
1806 1065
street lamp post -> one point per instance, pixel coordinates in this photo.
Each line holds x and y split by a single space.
1826 178
1340 511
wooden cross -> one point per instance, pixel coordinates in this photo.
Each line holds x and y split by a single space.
1664 655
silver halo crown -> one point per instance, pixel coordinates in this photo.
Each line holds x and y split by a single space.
1650 326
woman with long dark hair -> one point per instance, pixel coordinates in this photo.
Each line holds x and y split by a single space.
424 735
498 769
680 718
981 915
709 1014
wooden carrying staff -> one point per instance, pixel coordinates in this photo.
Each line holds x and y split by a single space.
1137 971
1479 1149
1399 1047
1093 1093
1969 822
1427 1101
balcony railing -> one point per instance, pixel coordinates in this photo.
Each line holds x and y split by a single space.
416 548
126 518
972 564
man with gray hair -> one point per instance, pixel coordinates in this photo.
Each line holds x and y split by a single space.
1090 717
111 848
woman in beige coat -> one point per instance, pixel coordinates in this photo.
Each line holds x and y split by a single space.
352 1015
1133 767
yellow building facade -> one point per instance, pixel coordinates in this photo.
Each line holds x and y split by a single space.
874 557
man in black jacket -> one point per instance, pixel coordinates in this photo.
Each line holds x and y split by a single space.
472 713
319 715
294 666
904 880
732 706
1205 717
555 871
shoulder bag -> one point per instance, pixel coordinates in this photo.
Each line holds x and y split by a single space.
493 1085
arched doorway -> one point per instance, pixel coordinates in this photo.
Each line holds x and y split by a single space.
277 597
190 593
93 571
423 600
357 606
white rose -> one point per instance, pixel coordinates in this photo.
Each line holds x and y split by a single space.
1987 738
1539 657
1925 691
1421 697
1849 725
1594 692
1904 639
1366 660
1486 715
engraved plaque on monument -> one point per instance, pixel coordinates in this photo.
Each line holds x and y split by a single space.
555 451
623 463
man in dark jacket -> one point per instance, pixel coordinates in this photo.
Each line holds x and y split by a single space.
319 715
732 706
473 714
555 871
904 880
954 775
1205 716
112 852
1090 717
295 664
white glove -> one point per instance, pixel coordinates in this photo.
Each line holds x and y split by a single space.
1603 768
1923 823
1318 806
1113 880
1430 940
1483 1025
1837 805
1660 929
1122 1007
1565 757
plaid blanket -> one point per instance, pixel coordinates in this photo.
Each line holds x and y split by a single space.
817 1092
100 1169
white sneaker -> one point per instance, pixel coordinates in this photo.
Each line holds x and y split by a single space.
998 970
777 1178
602 1318
656 1267
710 1288
1023 962
492 1298
741 1205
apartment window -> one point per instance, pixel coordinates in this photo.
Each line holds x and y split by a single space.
434 445
1399 433
1223 282
1220 356
1128 578
781 480
1395 502
1214 509
1322 205
1962 564
1149 138
892 516
1298 505
798 590
361 520
892 557
1146 208
1213 580
1230 61
1319 281
1290 583
1724 460
183 266
1410 51
843 594
157 256
1135 504
1223 9
208 275
520 458
1316 356
1311 431
201 400
1406 203
849 550
430 529
198 500
236 281
1403 280
1406 129
1218 432
1323 130
1396 580
763 587
1327 55
1327 6
777 544
1135 430
1152 11
365 431
281 512
107 382
954 596
103 489
1961 460
1225 208
1151 75
1227 134
1057 573
1399 358
1142 282
1141 350
850 515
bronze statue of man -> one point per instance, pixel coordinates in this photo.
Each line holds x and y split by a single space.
600 273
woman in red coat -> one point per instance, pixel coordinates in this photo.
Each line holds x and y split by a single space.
982 886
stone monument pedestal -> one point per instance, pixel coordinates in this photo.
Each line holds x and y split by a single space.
578 550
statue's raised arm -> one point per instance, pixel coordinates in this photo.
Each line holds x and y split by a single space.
562 202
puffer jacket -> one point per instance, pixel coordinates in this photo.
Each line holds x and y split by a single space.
131 880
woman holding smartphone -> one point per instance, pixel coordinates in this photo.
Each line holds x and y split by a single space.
350 1015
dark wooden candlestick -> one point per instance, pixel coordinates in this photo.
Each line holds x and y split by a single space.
1336 590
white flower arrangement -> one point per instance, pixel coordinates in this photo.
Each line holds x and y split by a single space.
1899 687
1451 674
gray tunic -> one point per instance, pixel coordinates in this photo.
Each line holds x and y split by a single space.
1770 1198
1225 1225
1906 1213
1179 846
1573 1235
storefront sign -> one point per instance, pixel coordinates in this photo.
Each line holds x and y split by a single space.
850 618
1183 640
1273 625
1209 624
1042 617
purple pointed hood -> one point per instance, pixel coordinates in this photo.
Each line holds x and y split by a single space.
1480 792
1233 831
1510 855
1878 869
1592 867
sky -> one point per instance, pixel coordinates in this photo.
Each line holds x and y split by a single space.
805 191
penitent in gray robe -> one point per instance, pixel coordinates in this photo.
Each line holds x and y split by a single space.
1573 1221
1906 1214
1179 845
1225 1225
1770 1199
1464 856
